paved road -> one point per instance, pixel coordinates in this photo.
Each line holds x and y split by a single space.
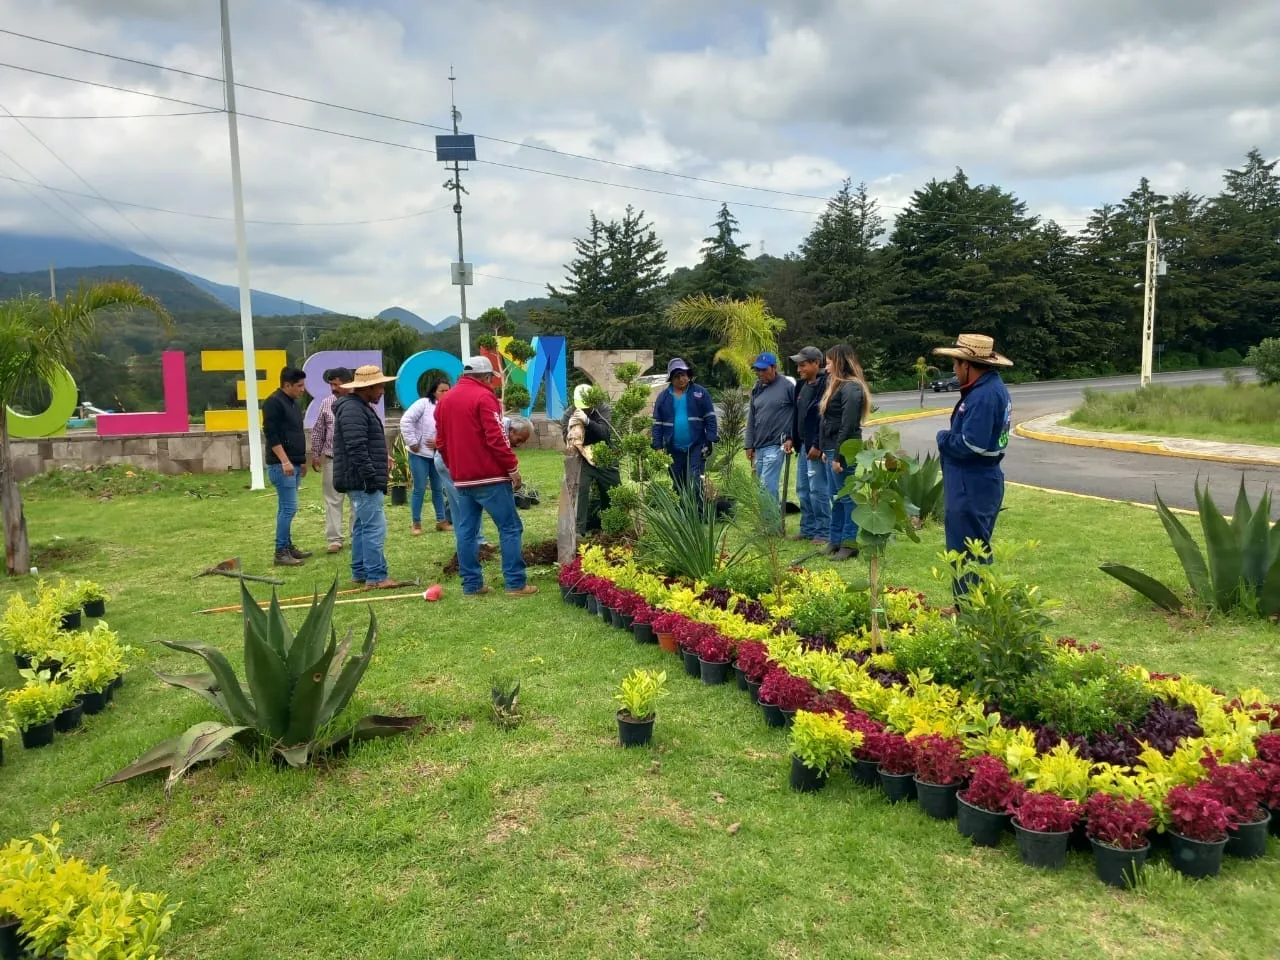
1105 473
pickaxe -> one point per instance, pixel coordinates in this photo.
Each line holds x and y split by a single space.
231 568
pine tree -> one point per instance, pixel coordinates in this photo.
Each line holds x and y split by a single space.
725 271
584 292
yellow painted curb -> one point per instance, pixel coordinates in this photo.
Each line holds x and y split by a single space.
1099 499
914 415
1137 446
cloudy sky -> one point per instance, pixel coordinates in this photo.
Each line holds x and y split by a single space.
1067 102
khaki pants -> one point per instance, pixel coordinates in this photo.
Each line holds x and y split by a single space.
333 501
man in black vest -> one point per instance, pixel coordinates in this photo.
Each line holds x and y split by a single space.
286 459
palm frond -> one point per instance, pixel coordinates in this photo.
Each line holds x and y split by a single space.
745 328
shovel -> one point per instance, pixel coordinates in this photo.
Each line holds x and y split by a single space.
231 568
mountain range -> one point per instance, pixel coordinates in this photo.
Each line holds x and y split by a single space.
25 260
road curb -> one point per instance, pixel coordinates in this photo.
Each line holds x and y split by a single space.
913 415
1153 447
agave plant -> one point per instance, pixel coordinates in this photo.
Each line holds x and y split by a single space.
1243 558
297 686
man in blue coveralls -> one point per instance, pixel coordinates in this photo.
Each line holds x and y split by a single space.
684 426
971 450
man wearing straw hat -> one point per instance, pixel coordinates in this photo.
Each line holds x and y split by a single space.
360 470
972 448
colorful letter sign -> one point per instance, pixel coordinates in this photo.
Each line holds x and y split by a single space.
318 363
53 421
270 362
173 419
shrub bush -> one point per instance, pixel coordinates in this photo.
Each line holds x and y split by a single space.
1265 358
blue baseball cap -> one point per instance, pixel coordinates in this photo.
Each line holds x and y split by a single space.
765 361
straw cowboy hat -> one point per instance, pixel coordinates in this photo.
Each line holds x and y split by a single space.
977 348
368 376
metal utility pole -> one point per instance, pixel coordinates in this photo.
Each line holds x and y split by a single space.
1154 268
53 284
458 148
256 476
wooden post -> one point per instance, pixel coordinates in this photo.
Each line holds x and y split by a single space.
567 517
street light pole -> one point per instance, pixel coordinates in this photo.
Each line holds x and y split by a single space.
1149 301
257 480
464 328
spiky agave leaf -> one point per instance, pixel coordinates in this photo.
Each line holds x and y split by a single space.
371 727
1148 586
238 706
1188 552
1225 558
204 684
313 635
200 743
348 674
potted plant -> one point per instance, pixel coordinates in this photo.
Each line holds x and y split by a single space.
940 769
7 727
642 618
35 706
714 654
864 769
399 478
1241 789
1198 823
665 627
688 635
92 598
897 765
638 698
751 665
91 677
819 743
1269 771
1042 823
983 806
570 579
71 717
781 695
1118 830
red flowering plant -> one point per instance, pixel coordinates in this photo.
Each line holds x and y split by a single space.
1238 788
991 787
1045 812
715 648
1197 814
1268 747
893 753
753 660
643 613
609 596
630 603
594 585
668 622
1270 776
1118 822
780 689
939 760
690 633
571 574
859 722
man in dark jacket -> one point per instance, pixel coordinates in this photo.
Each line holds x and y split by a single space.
972 448
286 459
484 470
811 474
360 470
770 421
684 426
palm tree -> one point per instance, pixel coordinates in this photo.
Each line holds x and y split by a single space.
746 328
922 368
38 338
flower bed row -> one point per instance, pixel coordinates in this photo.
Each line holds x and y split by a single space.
1200 771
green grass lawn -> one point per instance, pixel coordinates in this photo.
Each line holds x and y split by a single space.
549 840
1243 413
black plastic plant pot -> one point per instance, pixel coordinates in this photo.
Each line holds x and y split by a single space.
399 496
1275 822
691 663
644 633
69 718
983 827
753 688
634 733
117 683
865 772
613 618
898 787
35 737
805 779
938 800
1080 841
773 717
1195 858
1248 841
713 673
606 614
788 717
626 621
12 945
22 661
740 677
94 702
1116 866
71 621
1047 851
110 691
593 606
51 667
95 609
564 593
577 598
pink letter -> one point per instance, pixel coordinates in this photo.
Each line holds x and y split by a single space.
174 419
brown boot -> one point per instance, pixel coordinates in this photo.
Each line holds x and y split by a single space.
298 554
528 590
443 526
416 530
286 559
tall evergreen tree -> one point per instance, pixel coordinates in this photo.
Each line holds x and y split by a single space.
725 270
584 292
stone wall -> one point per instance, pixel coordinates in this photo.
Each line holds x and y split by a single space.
177 453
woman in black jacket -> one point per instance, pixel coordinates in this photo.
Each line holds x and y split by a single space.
844 407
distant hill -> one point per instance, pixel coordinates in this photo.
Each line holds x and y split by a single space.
448 323
177 293
406 317
29 253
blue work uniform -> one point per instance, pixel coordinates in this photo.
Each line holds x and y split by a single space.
685 427
971 451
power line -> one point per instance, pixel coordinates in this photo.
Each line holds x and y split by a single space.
102 233
46 203
125 217
494 276
112 116
211 216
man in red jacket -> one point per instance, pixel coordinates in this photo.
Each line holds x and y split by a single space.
473 442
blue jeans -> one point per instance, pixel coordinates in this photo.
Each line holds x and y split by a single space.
499 501
842 531
451 495
814 495
687 467
424 473
368 537
286 502
768 467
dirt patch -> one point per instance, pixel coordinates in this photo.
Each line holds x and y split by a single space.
518 811
55 552
541 554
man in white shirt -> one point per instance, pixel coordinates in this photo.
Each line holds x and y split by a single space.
418 429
